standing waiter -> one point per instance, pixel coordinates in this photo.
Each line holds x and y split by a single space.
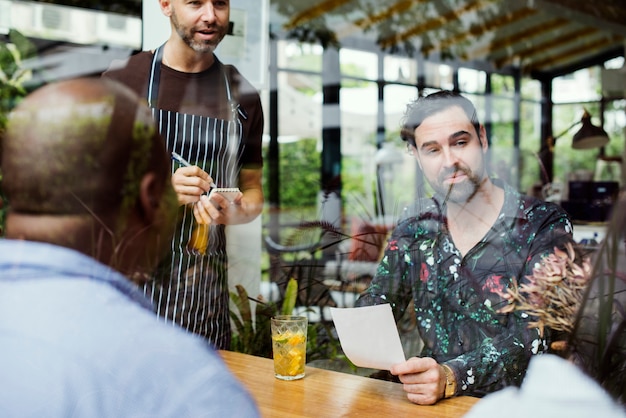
210 115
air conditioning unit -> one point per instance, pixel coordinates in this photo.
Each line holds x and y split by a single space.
52 22
72 24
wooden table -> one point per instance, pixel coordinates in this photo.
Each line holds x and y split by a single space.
325 393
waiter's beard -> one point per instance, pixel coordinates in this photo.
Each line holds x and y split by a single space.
187 35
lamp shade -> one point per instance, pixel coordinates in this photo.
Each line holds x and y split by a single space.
589 136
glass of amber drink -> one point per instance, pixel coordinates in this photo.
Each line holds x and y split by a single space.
289 346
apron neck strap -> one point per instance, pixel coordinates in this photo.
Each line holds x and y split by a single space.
155 77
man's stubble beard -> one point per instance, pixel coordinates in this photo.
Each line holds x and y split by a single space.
186 34
460 193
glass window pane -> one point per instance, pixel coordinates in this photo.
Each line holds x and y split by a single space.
400 69
300 105
529 164
580 86
570 163
358 64
359 116
299 137
300 56
479 103
615 124
503 155
396 99
530 89
503 85
438 76
472 81
402 189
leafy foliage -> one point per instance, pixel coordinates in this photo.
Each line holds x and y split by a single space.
300 163
252 334
12 75
12 89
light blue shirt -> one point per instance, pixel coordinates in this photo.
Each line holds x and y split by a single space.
77 339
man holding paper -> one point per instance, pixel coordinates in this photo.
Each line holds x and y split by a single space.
455 254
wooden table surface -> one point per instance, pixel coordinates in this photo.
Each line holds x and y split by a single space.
325 393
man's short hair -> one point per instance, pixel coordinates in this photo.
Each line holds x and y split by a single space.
424 107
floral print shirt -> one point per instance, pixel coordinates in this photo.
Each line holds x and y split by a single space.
457 298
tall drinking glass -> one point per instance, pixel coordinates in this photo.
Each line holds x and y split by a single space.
289 346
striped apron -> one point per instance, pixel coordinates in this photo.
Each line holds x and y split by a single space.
191 289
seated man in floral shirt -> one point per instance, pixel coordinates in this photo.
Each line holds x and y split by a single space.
455 254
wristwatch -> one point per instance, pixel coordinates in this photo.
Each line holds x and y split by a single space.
450 389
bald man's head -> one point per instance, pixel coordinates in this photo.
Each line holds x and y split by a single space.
79 146
85 168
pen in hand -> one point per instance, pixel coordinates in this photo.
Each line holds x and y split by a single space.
176 157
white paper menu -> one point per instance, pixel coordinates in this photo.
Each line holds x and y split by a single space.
369 336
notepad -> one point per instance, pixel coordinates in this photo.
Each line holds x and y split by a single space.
229 193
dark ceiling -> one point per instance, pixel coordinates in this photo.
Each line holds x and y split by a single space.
537 38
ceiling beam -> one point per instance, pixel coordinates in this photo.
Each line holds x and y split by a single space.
314 12
605 15
546 45
380 16
588 62
505 45
483 28
566 57
430 24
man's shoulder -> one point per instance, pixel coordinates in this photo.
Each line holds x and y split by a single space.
535 213
189 369
161 377
529 204
421 218
422 209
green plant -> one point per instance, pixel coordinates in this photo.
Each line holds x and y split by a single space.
12 89
300 163
297 273
252 334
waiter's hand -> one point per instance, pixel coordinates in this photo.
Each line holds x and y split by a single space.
190 183
424 380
